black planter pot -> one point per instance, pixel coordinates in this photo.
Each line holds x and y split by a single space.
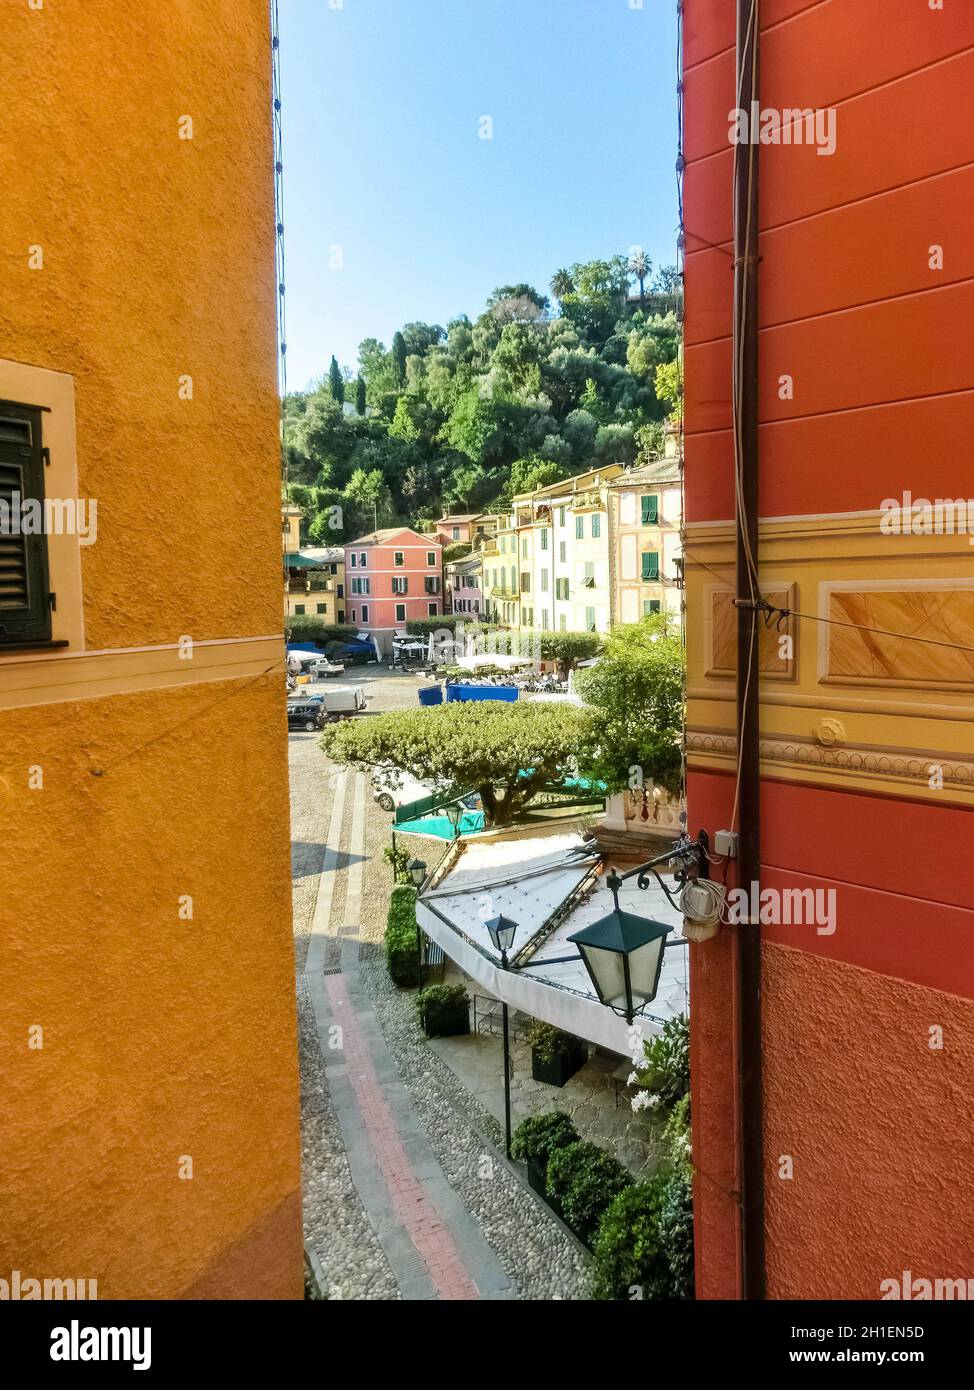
561 1068
449 1025
537 1179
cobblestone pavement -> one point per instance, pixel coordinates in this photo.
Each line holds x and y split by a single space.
407 1193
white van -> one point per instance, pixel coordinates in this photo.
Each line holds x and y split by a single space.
343 701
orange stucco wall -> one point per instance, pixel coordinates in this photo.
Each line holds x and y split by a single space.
166 1037
877 341
158 263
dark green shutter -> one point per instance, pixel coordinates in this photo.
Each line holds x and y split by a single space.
650 565
650 507
25 599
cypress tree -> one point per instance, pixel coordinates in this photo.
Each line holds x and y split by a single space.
337 382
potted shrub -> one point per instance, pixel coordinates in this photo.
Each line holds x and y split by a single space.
536 1139
582 1182
555 1056
444 1010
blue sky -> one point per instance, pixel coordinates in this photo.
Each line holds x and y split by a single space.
382 104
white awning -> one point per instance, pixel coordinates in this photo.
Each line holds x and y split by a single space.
528 880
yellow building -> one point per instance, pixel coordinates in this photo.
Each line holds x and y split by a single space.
502 594
149 1073
318 590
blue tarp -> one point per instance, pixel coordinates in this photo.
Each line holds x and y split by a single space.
481 692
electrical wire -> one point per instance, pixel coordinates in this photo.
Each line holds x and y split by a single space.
771 609
278 128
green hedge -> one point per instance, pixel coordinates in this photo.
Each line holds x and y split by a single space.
537 1137
306 627
583 1179
630 1258
401 955
644 1248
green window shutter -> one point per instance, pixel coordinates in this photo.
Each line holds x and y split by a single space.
650 565
25 598
579 528
596 525
650 509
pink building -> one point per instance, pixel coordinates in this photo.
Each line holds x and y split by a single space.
463 586
469 528
391 577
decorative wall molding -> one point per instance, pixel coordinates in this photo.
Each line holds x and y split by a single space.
905 764
721 620
59 677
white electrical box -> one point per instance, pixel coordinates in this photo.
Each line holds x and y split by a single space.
725 843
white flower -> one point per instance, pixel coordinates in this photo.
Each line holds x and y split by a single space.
633 1078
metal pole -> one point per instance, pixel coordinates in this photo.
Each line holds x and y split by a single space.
507 1068
748 664
507 1083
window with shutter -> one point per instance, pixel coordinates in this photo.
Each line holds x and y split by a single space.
25 598
650 565
650 510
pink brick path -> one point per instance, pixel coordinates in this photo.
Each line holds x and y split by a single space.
429 1235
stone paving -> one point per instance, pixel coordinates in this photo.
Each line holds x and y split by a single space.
407 1192
589 1097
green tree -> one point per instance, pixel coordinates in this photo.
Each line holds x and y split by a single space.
367 502
669 386
562 284
399 355
639 267
530 473
336 382
668 280
636 690
360 395
597 299
506 752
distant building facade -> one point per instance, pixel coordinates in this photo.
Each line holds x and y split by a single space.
463 586
645 547
392 576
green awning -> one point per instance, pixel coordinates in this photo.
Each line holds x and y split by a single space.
301 562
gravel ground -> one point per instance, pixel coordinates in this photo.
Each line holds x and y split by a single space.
543 1260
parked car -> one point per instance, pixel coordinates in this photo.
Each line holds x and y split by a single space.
392 787
307 713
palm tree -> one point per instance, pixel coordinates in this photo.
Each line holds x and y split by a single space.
562 284
639 267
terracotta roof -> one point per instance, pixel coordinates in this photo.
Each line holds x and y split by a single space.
386 533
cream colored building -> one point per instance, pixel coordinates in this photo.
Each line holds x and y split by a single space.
560 538
645 512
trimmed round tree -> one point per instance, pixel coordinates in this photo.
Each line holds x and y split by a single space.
506 752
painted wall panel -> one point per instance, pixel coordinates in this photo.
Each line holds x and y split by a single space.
847 47
918 346
839 273
842 462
